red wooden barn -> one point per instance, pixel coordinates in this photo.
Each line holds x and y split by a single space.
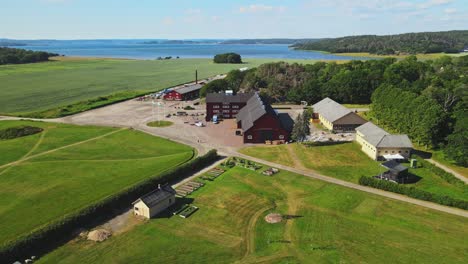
189 92
259 122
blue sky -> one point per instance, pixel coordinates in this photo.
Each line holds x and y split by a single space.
181 19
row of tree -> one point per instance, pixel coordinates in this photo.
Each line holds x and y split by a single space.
19 56
425 99
412 43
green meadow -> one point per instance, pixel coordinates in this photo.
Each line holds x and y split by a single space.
347 162
327 224
66 168
67 86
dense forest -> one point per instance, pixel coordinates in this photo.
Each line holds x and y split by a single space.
19 56
410 43
425 99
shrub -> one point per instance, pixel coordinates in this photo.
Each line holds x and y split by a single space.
448 177
46 238
21 131
413 192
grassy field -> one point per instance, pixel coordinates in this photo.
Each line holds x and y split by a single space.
346 162
66 168
160 123
328 224
38 87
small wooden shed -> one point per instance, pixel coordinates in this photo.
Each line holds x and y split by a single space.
154 202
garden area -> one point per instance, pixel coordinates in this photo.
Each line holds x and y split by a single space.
320 222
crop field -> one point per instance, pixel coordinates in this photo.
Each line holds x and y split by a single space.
38 89
347 162
65 168
324 223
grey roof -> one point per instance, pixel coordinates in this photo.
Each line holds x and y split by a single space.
188 89
369 129
255 108
153 198
330 109
378 137
224 98
394 166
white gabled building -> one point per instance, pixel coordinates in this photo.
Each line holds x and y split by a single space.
378 143
154 202
336 117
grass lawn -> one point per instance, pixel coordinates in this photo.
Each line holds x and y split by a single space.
66 168
330 224
160 123
38 87
346 162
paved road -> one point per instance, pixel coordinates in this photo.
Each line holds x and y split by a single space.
447 169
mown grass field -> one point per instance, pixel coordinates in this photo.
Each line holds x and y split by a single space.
66 168
329 224
35 88
347 162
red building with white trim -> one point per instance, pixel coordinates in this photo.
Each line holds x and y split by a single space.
189 92
259 122
225 106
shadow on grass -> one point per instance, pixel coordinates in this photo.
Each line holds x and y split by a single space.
411 178
169 212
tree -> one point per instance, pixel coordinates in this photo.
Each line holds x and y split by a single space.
301 127
227 58
214 87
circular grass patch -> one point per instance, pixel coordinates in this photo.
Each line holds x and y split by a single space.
160 123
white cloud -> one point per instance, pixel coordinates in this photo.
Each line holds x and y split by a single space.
168 21
450 10
192 11
261 8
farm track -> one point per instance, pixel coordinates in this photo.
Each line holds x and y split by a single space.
25 158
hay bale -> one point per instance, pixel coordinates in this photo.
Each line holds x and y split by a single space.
99 235
273 218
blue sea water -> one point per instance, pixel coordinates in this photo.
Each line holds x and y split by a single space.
136 49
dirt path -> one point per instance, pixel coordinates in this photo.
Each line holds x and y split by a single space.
296 160
449 170
57 149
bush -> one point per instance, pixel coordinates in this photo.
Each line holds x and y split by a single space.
227 58
448 177
188 107
46 238
21 131
413 192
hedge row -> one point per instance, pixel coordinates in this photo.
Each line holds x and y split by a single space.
413 192
21 131
448 177
49 237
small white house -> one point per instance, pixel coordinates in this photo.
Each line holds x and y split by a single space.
154 202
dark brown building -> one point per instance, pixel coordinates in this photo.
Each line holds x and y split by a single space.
189 92
225 106
259 122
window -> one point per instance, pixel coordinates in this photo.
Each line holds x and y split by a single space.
386 151
235 106
407 151
136 208
226 106
249 137
399 151
235 111
281 137
170 200
215 106
215 111
226 111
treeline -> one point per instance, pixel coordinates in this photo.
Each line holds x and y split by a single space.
413 192
19 56
425 99
227 58
410 43
428 101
